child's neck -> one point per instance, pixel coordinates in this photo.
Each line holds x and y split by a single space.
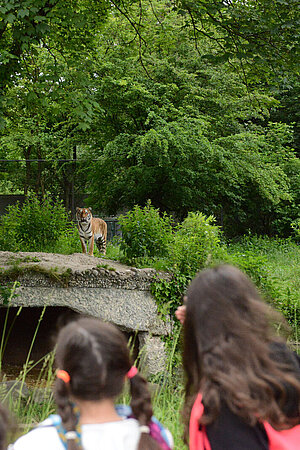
101 411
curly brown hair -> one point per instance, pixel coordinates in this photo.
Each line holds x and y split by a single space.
227 351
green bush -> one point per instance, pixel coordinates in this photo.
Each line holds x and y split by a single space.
169 293
36 225
145 233
273 266
296 229
195 243
8 224
254 265
68 242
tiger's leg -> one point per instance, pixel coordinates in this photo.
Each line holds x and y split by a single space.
101 243
91 245
83 245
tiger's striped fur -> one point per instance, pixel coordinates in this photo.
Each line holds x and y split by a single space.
91 229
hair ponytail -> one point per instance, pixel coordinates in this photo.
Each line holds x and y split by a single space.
65 409
93 360
142 410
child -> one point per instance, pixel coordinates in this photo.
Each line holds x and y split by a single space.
243 384
94 361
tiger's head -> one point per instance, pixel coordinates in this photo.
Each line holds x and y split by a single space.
84 215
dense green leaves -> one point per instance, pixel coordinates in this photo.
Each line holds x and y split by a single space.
262 35
160 101
34 226
144 233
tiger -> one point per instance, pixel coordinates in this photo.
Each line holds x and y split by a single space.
91 229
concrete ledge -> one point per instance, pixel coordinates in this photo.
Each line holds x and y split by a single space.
91 286
131 310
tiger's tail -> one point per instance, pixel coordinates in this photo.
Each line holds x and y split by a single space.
101 244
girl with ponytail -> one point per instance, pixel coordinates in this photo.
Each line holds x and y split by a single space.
94 362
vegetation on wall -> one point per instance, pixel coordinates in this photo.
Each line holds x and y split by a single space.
197 243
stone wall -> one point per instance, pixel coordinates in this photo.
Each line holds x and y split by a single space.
91 286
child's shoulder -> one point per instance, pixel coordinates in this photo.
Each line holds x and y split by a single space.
157 430
44 436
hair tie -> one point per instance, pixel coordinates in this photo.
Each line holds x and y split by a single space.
131 372
63 375
70 435
144 429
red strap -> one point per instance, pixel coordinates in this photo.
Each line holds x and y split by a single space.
284 439
198 438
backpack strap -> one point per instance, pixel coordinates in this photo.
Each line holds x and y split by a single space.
62 432
157 431
197 434
284 439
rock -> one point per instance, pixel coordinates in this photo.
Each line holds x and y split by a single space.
13 390
153 353
41 395
120 296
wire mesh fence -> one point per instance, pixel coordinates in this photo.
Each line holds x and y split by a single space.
63 178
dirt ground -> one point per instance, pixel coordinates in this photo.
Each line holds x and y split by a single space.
77 262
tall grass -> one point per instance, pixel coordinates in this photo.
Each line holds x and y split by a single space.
280 274
28 408
282 267
167 390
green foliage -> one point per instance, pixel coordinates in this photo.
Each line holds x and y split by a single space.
296 228
195 244
7 293
37 225
68 241
273 265
248 32
158 110
168 294
254 265
144 232
190 137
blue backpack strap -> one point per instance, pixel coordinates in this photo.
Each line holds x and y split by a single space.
62 432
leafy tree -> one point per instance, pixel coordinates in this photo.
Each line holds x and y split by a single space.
149 97
262 35
66 27
185 134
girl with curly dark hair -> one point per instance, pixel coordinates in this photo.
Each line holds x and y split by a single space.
242 382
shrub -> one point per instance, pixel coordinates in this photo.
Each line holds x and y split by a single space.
68 242
169 293
144 232
195 243
36 225
296 229
254 265
272 264
8 224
